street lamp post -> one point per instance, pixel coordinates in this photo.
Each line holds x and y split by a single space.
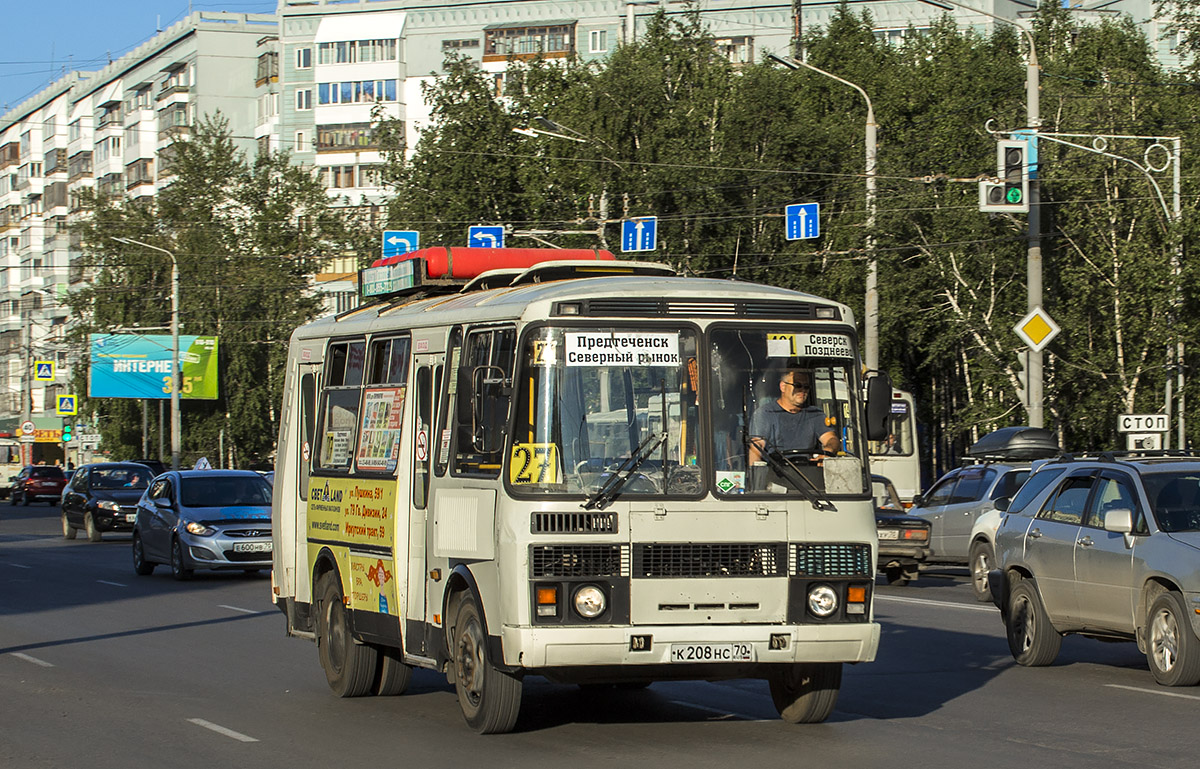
871 303
176 422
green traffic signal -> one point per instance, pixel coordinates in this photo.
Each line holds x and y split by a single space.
1013 195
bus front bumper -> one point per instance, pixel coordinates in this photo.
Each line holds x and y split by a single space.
535 648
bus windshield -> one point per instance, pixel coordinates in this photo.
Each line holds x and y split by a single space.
786 412
607 410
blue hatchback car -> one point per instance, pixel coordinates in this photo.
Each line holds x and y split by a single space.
204 519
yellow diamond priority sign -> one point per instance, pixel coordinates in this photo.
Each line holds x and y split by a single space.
1037 329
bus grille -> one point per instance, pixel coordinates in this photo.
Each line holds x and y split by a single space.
578 561
832 559
574 523
741 559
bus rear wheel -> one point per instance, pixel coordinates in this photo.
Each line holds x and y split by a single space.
805 693
490 698
349 666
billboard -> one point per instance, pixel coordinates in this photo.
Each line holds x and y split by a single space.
139 366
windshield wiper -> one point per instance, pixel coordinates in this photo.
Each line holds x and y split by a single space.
611 488
789 472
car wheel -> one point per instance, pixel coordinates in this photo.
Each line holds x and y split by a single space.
490 699
1032 640
141 566
394 676
900 575
25 499
1172 649
179 569
350 666
805 693
89 528
68 529
981 562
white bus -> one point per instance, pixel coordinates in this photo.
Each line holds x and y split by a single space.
897 457
551 478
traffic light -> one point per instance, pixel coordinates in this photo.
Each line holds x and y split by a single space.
1011 192
66 431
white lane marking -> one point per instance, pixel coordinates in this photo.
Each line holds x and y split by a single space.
243 611
719 712
20 566
34 660
221 730
943 604
114 584
1154 691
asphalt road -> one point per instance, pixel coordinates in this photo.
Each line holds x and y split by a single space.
102 668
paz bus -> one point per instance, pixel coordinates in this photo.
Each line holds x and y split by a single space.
544 469
897 456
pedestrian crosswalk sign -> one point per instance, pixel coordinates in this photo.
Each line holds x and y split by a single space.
66 406
43 370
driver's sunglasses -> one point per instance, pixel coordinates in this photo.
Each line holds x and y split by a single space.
799 385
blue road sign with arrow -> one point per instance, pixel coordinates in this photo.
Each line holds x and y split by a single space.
639 234
398 242
803 221
482 236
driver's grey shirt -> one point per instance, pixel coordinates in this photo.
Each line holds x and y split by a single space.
787 431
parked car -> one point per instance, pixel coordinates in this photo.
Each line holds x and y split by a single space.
999 463
1109 549
37 483
103 497
903 538
203 519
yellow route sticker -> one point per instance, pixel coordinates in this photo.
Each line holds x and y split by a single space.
533 463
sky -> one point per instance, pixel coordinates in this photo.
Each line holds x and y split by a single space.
40 39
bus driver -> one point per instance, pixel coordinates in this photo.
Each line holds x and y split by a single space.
788 424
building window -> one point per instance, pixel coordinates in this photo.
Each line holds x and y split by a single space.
303 58
351 51
264 145
50 126
176 80
356 92
344 136
339 177
139 172
79 164
268 107
108 148
370 176
74 130
598 41
458 45
301 144
556 41
304 99
738 50
268 67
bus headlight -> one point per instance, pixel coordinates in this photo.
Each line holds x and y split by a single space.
822 601
590 601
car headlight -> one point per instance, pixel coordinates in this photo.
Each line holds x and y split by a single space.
590 601
199 529
822 601
108 504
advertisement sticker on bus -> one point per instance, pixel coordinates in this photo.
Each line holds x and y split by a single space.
625 348
379 435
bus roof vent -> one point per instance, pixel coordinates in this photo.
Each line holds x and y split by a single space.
574 268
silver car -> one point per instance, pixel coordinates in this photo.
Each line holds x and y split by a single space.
204 519
1111 550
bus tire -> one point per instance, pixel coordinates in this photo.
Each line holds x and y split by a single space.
490 698
349 666
805 693
394 676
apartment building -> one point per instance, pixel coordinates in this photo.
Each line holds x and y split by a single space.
110 129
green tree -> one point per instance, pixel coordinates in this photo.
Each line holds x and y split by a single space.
248 237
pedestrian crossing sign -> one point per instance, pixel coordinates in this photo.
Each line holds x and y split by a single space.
43 370
67 406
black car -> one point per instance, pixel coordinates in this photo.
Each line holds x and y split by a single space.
903 538
158 467
103 497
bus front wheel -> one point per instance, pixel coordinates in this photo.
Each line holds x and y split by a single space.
489 697
349 666
805 693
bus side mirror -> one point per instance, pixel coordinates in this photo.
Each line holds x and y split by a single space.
879 406
489 400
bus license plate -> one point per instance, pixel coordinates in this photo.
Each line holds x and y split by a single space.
735 652
251 547
888 534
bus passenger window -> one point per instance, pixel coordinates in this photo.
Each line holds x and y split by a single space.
338 430
308 409
483 389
